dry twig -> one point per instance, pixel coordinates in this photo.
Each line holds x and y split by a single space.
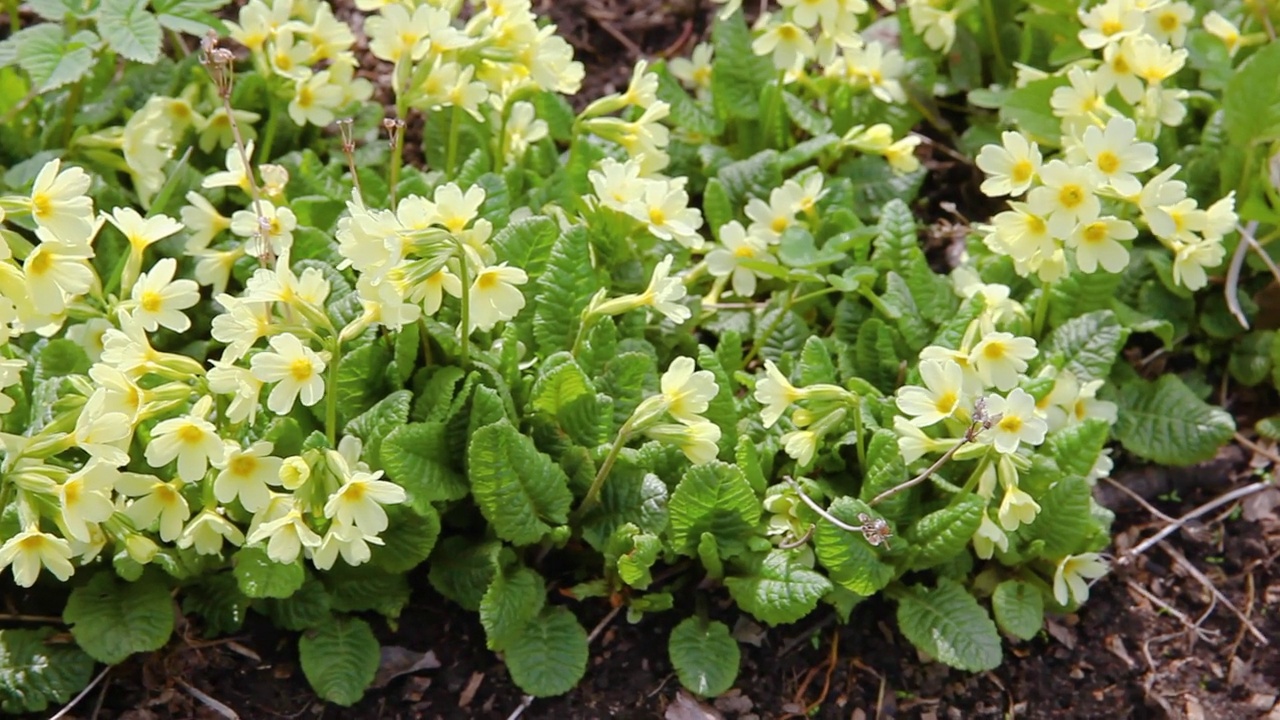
1217 594
87 688
1172 527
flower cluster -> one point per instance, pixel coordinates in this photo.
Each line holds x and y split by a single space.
1078 209
684 397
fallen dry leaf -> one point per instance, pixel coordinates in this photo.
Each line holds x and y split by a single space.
397 661
469 692
686 707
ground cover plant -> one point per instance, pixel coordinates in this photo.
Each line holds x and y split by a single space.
679 347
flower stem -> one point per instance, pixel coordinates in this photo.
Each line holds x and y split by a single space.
331 396
455 129
464 274
1042 311
593 493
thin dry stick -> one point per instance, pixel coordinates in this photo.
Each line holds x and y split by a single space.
793 544
63 712
1204 580
1140 500
210 702
946 457
1207 507
1232 286
1191 626
1260 450
1246 234
814 506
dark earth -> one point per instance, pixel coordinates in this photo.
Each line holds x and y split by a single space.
1181 630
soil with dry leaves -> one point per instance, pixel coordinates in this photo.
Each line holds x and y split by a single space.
1185 629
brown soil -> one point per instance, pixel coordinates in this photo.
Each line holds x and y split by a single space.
1151 642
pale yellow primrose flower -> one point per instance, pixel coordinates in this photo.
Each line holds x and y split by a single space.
1011 166
495 297
191 439
161 299
687 392
939 399
1070 579
360 499
31 550
1019 422
60 205
295 368
999 358
245 474
737 246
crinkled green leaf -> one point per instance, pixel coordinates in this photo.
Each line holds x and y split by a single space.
885 469
360 379
754 176
634 565
305 609
1019 608
194 17
738 74
35 673
527 243
686 113
409 539
566 394
218 601
261 577
1164 421
721 410
1088 344
462 570
1028 108
704 655
520 491
563 291
1076 447
513 600
375 424
340 659
366 587
780 589
850 560
416 457
112 619
130 29
947 623
50 59
1064 519
549 656
714 498
943 534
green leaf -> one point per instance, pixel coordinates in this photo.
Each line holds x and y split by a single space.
634 566
705 656
520 491
716 205
416 457
947 623
360 379
462 571
1019 608
526 243
885 469
219 603
1088 344
375 424
815 363
261 577
1028 107
50 59
194 17
709 556
1064 519
755 176
130 29
59 358
549 656
408 341
303 610
1251 361
686 112
409 540
721 410
340 659
1251 101
513 600
563 292
112 619
874 184
366 587
565 393
738 74
35 674
780 590
1164 421
1076 447
805 116
1080 293
850 560
714 498
875 358
943 534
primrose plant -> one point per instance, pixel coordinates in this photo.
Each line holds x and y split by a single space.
682 344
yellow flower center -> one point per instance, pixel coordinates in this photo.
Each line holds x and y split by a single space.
789 33
993 351
1070 196
305 96
151 301
779 224
243 465
656 216
190 434
1021 171
1011 423
72 492
1168 22
1111 27
41 205
31 543
166 494
1036 225
487 281
301 369
354 492
1094 232
1108 162
1079 409
743 251
39 263
1120 65
946 402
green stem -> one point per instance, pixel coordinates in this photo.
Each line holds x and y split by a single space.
993 32
269 134
859 442
593 493
397 159
73 104
770 106
331 396
768 331
15 22
464 274
1042 311
816 293
588 320
455 129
